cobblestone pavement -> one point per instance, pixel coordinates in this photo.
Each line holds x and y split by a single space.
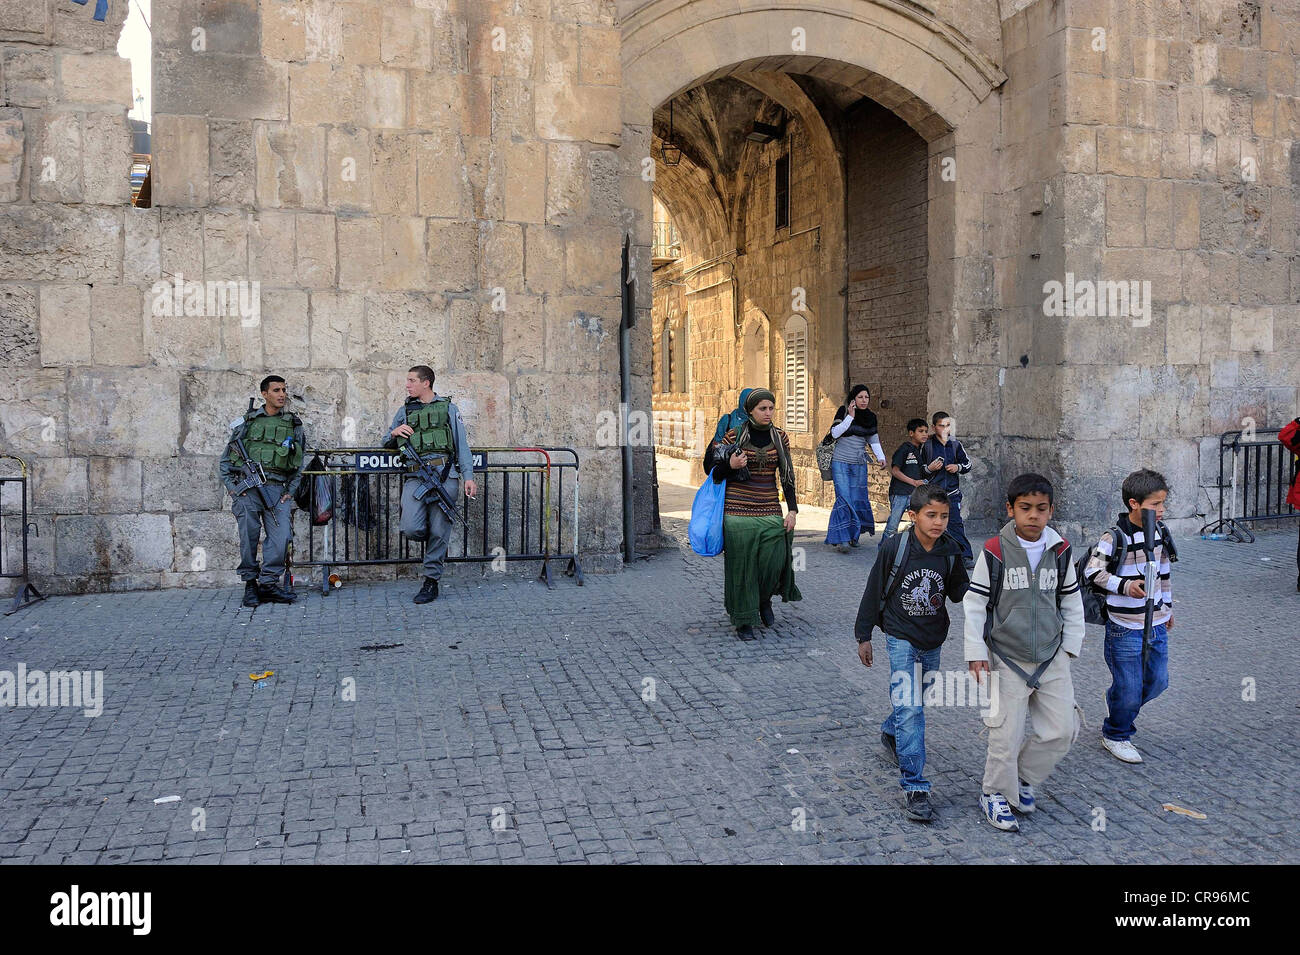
506 702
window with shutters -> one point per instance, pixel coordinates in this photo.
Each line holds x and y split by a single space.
666 357
796 373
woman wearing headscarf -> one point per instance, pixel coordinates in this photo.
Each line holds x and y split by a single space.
855 427
757 540
733 420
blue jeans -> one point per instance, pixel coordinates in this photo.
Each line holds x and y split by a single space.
957 527
852 512
897 505
906 721
1134 681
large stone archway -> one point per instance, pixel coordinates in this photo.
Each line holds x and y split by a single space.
925 70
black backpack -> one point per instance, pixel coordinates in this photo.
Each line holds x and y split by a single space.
1095 609
892 581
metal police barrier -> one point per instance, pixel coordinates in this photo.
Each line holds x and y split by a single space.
1256 487
526 509
27 593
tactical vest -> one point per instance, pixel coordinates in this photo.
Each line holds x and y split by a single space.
432 426
269 440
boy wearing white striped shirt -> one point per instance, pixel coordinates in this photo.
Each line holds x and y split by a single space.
1139 669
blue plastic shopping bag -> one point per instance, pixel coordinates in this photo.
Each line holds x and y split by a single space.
706 518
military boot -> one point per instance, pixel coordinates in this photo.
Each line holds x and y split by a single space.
428 592
251 598
274 593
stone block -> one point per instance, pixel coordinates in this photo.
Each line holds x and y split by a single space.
212 400
442 180
348 179
20 323
360 252
1183 335
438 102
95 79
357 37
404 265
372 396
65 325
555 409
225 246
220 86
56 157
106 151
184 483
108 413
284 30
578 332
28 76
59 485
406 38
592 261
23 20
115 486
1125 212
485 403
286 328
1171 402
116 325
337 329
383 102
599 63
231 164
523 333
180 161
321 93
1251 329
582 113
393 178
316 247
272 258
205 541
544 259
475 336
12 141
501 255
452 255
121 544
525 190
290 166
33 403
566 184
404 328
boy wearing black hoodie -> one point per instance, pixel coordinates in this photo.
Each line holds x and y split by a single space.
914 576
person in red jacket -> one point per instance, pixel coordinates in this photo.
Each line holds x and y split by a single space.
1290 438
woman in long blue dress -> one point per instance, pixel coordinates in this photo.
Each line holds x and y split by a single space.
855 427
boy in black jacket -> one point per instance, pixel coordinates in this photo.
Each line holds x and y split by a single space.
913 577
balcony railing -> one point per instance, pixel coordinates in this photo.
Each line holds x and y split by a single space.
667 244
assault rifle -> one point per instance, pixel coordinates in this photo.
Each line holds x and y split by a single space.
253 477
429 481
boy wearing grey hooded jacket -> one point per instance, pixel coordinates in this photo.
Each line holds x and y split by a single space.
1024 606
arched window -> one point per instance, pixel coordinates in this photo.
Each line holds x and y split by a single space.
796 373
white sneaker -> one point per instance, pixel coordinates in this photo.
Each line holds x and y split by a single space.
997 811
1122 750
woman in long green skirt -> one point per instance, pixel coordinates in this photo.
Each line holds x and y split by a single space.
757 541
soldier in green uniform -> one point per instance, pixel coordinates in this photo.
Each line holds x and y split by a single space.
436 430
274 439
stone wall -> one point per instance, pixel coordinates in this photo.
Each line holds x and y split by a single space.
407 182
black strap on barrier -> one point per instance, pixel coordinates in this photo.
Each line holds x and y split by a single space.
521 511
1255 474
27 594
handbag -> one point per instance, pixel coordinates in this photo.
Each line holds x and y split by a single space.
706 517
315 495
825 453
